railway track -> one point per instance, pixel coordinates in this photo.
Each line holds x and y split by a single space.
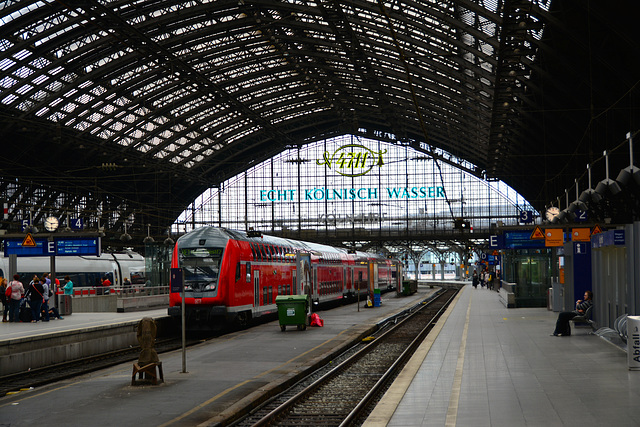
344 392
38 377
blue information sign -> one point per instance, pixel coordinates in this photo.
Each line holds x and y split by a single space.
77 246
43 247
60 246
521 240
608 238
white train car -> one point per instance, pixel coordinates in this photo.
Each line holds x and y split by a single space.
84 271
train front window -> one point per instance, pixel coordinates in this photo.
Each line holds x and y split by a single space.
201 268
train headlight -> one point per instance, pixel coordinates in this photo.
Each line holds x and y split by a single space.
188 288
210 287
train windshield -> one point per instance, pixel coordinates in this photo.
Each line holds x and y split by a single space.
201 268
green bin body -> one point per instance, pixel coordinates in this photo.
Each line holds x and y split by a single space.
292 310
409 287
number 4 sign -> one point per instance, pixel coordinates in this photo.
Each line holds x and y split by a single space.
76 223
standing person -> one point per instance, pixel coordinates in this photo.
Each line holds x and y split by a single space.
68 286
17 290
45 299
36 296
5 300
475 280
55 285
563 328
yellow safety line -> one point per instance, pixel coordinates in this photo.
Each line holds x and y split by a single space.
454 399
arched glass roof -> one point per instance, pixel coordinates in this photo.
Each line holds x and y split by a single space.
349 183
124 111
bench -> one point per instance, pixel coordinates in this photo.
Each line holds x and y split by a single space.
584 318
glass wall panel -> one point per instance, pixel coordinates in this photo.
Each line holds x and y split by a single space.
349 183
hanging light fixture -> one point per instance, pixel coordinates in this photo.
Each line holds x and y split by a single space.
590 193
125 237
607 183
626 174
577 204
148 240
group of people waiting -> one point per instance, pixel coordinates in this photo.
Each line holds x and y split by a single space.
484 278
37 294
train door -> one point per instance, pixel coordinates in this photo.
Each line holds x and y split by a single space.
303 267
314 284
256 288
398 281
344 280
294 287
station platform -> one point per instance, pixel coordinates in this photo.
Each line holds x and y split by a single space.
26 346
12 331
224 375
492 366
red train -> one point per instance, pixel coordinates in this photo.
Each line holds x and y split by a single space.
230 277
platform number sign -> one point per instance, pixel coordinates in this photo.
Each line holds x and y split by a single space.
526 217
581 216
76 223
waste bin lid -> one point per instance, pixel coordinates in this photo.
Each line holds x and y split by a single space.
289 298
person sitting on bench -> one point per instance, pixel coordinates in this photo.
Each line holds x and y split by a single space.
562 324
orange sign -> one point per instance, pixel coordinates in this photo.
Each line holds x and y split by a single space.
29 241
554 237
596 229
537 233
581 234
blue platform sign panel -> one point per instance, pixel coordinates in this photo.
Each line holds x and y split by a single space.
608 238
496 241
60 246
176 280
521 240
77 246
43 247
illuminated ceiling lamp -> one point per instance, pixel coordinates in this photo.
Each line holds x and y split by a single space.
607 183
626 174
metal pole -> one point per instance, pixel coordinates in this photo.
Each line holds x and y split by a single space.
52 277
184 323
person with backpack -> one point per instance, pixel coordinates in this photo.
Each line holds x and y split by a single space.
17 290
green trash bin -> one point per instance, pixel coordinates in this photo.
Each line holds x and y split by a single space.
409 287
292 310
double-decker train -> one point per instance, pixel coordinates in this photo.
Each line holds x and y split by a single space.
228 276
